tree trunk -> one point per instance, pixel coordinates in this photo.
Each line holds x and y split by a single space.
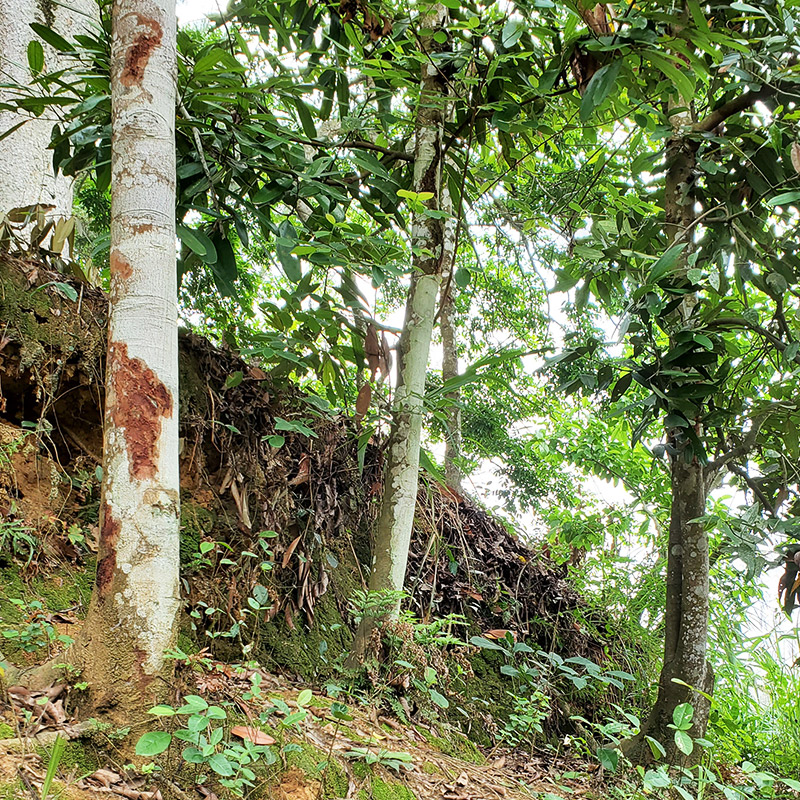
26 165
396 520
686 620
452 448
133 614
687 604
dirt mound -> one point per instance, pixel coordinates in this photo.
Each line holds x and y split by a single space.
266 474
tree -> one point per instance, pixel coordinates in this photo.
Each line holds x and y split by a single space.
398 504
133 615
27 176
693 306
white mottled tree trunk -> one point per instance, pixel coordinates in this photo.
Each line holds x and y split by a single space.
395 523
133 616
26 165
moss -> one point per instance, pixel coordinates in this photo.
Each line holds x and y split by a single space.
456 745
65 589
80 757
311 652
429 768
486 692
381 789
43 336
68 588
311 761
13 791
196 522
6 731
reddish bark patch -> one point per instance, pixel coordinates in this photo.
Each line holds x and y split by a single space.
141 400
120 266
139 52
109 533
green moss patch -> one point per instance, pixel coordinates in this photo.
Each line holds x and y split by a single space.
384 789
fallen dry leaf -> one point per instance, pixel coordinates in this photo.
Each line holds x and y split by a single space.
253 735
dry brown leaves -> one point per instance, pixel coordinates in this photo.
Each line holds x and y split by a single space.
106 781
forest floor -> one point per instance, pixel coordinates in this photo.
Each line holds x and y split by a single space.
371 755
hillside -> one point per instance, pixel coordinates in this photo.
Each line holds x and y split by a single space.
275 543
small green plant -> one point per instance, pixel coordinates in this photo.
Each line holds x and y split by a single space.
52 765
207 746
386 758
37 631
525 721
18 541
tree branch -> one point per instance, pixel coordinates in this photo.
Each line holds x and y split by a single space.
741 103
754 488
742 449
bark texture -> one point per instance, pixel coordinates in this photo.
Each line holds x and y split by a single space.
133 615
26 165
393 532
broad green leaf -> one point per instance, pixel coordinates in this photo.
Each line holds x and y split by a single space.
486 644
220 764
608 758
191 240
664 265
439 698
304 698
35 57
55 41
784 199
682 716
600 86
161 710
152 743
684 742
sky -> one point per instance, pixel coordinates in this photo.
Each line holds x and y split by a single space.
195 10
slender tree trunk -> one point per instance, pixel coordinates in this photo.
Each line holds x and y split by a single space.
26 165
396 520
134 610
452 448
686 620
687 603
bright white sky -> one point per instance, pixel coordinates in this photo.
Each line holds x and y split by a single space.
195 10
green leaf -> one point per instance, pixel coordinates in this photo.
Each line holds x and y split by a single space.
304 698
35 57
599 88
220 764
784 199
608 758
439 698
284 246
684 742
512 31
161 710
682 716
306 120
224 268
664 265
461 277
486 644
234 380
680 79
52 38
65 290
152 743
